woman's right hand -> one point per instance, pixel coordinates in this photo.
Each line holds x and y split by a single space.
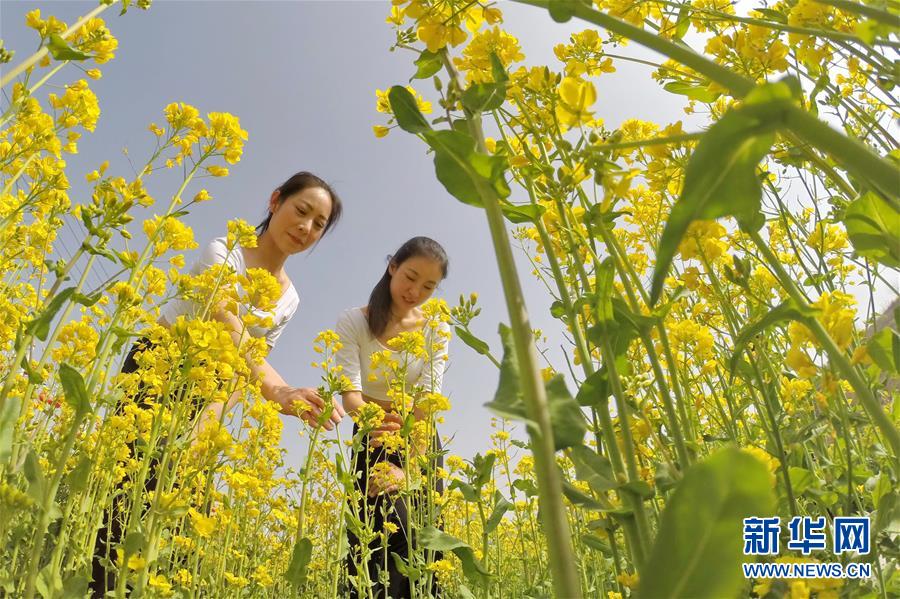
294 401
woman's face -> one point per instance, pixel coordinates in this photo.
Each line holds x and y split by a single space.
299 221
413 281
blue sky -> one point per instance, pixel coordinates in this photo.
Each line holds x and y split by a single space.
301 76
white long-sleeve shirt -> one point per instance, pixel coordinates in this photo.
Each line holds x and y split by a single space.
216 252
358 345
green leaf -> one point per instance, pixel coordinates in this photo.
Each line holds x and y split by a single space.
134 543
694 92
641 488
595 389
37 483
527 213
866 30
404 568
452 152
526 486
493 169
720 178
464 592
34 377
75 587
887 514
87 300
296 572
497 69
468 491
592 468
683 24
74 389
40 326
484 469
784 312
78 477
507 401
438 540
9 413
566 419
582 500
699 549
60 50
595 543
884 349
472 341
501 506
406 110
801 479
49 583
481 97
873 226
428 63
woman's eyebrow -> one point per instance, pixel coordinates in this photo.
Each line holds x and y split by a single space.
413 271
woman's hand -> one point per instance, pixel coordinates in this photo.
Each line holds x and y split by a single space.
306 403
386 482
391 424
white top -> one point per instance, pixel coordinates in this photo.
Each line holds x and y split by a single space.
216 252
358 346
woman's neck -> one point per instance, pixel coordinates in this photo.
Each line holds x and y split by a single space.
398 317
267 255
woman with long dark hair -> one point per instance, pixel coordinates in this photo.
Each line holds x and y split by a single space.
413 273
300 212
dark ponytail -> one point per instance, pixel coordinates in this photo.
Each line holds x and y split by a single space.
379 311
297 183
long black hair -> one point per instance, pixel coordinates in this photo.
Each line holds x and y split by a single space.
379 311
297 183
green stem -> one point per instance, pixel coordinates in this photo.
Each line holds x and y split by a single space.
556 527
858 8
37 56
835 354
855 156
44 518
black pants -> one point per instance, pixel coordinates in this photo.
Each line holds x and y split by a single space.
385 507
111 533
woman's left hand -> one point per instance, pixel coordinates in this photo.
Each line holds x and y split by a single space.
386 483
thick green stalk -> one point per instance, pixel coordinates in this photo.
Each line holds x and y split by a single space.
556 527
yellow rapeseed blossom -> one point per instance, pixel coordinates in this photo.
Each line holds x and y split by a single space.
77 106
242 233
575 98
476 62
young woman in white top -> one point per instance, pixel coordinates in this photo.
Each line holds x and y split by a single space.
412 275
301 210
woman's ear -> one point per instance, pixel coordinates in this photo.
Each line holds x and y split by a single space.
273 201
392 269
